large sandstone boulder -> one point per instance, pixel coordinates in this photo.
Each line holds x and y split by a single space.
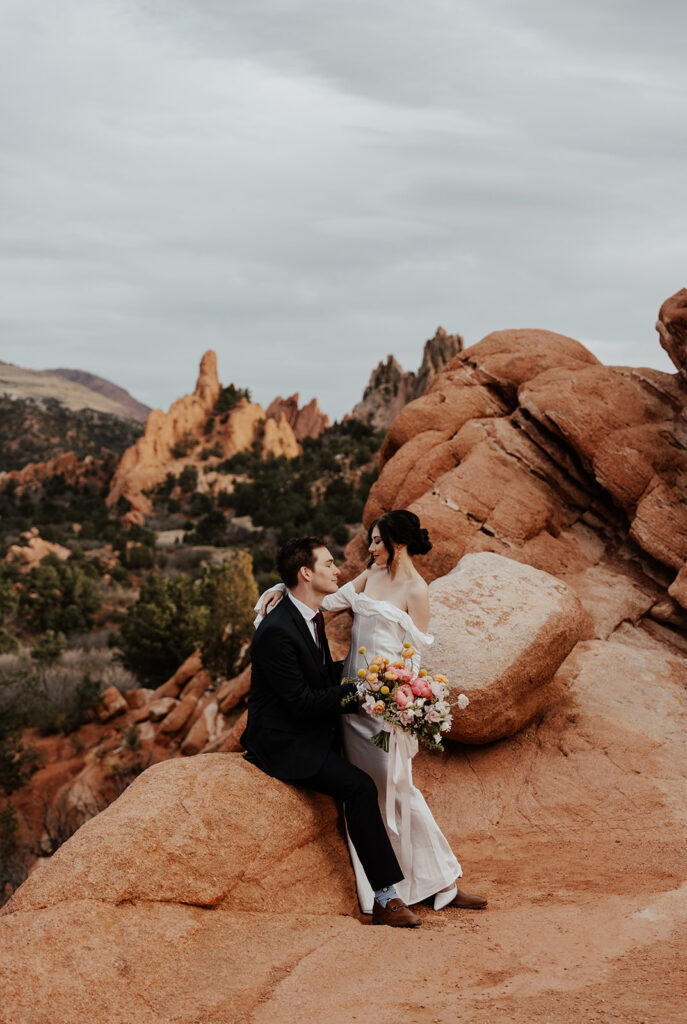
501 631
205 831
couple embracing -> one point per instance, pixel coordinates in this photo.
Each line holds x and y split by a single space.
301 728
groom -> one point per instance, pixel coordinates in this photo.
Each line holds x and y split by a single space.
293 707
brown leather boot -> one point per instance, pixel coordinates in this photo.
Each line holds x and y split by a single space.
395 913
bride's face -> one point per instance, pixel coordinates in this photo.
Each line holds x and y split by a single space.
378 550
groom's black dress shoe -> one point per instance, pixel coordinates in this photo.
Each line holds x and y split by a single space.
395 913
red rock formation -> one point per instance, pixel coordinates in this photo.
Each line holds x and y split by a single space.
211 892
672 329
306 422
147 462
526 445
390 388
74 470
34 551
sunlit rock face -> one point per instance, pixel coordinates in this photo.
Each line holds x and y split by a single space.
191 422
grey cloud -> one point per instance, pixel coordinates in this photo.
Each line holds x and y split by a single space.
308 186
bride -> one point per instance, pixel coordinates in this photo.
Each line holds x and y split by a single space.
390 605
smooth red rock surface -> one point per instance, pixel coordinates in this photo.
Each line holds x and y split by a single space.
196 897
501 632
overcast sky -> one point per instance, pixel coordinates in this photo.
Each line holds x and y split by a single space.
308 185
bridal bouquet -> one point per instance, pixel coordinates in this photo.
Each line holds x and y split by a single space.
417 703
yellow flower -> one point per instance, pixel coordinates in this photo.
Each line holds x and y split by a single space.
362 672
406 643
422 672
361 650
409 652
386 661
440 679
384 689
373 669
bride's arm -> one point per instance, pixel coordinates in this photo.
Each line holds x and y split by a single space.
342 598
268 600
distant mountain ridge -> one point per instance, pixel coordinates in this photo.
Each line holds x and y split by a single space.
74 389
137 410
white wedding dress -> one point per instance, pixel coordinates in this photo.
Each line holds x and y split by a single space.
424 855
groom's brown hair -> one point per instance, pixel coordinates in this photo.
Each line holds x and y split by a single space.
296 553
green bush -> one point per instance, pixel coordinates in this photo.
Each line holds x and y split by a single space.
188 478
180 449
174 617
229 592
165 625
14 867
229 397
83 702
8 643
59 596
17 762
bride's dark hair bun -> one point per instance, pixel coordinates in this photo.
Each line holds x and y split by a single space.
401 527
422 544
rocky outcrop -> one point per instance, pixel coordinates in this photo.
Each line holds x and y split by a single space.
211 892
31 554
527 446
390 387
191 425
309 421
165 812
501 632
672 330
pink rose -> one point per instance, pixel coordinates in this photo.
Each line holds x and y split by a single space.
403 695
421 688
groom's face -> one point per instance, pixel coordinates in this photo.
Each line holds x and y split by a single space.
324 572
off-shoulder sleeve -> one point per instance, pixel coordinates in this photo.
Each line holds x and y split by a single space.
343 598
278 588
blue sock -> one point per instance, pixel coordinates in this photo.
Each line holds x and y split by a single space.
384 895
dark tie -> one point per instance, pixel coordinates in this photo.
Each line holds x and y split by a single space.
318 619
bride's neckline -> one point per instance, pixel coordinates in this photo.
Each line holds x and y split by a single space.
383 600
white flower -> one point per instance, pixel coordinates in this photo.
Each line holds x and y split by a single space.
442 707
462 701
437 737
369 704
445 726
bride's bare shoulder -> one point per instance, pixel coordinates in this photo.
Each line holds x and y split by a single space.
417 587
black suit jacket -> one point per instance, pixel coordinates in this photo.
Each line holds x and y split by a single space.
295 697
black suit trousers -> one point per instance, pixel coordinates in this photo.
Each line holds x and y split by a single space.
354 787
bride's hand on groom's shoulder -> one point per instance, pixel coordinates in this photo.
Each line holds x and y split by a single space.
271 601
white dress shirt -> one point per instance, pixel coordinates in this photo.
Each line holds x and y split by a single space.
308 614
